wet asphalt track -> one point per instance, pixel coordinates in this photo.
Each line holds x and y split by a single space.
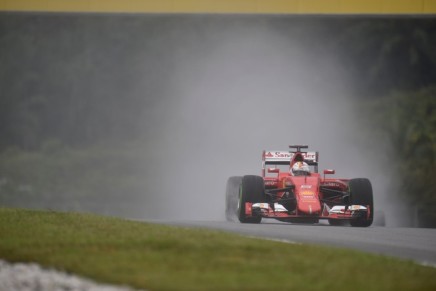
418 244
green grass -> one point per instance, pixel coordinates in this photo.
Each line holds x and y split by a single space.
157 257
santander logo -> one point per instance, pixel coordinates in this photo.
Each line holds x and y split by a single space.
277 155
282 155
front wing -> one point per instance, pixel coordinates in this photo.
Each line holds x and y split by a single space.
276 210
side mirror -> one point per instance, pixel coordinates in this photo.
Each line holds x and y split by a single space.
328 172
273 170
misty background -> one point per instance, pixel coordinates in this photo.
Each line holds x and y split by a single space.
146 116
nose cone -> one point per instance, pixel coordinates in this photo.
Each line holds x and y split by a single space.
306 192
312 207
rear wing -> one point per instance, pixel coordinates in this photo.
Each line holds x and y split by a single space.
285 157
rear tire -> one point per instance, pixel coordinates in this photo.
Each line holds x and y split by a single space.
361 194
232 197
252 190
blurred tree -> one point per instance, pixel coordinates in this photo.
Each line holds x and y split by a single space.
407 124
390 54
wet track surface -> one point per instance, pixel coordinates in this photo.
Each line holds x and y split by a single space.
418 244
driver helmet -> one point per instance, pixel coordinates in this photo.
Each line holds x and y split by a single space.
300 169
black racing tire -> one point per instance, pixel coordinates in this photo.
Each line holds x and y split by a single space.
361 194
232 197
252 190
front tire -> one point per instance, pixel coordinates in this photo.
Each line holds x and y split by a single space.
252 190
232 197
361 194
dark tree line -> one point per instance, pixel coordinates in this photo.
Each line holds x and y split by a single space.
75 78
81 78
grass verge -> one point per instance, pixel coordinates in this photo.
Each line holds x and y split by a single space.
156 257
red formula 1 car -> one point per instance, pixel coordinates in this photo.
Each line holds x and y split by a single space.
292 190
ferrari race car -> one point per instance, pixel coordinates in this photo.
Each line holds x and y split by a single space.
292 190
